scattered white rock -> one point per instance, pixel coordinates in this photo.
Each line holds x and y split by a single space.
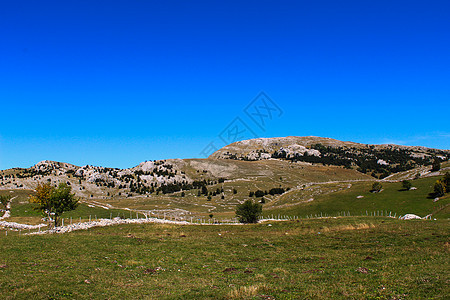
295 149
410 217
359 197
102 223
146 166
14 225
382 162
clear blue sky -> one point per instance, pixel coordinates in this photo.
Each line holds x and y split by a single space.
114 83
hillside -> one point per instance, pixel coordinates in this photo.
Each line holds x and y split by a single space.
287 171
379 161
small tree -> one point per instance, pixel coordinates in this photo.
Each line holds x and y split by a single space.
406 185
436 166
439 188
248 212
446 181
204 190
376 187
4 200
259 194
54 201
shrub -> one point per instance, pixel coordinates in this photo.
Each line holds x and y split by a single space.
376 187
259 193
248 212
446 181
439 188
276 191
52 202
4 200
406 185
436 166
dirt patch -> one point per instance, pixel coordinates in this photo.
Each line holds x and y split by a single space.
362 270
229 270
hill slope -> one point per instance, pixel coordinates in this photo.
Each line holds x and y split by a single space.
217 184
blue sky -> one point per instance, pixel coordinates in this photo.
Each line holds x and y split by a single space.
114 83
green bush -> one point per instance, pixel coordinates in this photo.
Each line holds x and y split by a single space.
439 188
436 166
376 187
406 185
446 181
259 194
248 212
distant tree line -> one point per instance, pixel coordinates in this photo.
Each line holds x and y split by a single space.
365 159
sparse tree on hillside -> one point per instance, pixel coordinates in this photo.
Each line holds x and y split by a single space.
204 190
248 212
436 166
376 187
406 185
439 188
446 181
54 201
259 194
4 199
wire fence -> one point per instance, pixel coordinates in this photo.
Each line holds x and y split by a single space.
71 224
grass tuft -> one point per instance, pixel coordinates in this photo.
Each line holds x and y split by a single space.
245 292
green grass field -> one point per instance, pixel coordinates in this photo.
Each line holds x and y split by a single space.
344 258
335 198
22 211
361 257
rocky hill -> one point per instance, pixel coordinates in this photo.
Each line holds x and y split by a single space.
378 160
263 162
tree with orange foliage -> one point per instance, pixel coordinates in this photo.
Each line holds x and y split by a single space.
52 202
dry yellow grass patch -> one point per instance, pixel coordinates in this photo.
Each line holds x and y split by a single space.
245 292
359 226
280 270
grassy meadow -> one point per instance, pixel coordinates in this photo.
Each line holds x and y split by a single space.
358 258
334 198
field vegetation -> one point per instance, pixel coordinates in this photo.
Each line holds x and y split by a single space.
359 258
